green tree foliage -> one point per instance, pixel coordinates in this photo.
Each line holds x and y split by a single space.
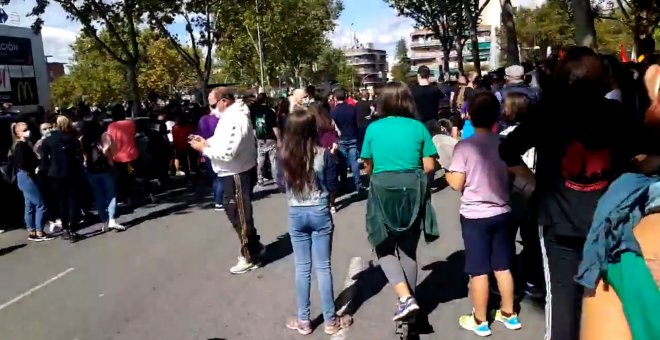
202 29
550 25
640 17
120 19
292 35
401 50
94 75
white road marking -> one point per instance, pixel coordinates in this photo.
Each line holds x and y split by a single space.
35 288
355 267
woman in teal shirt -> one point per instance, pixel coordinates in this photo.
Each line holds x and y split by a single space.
398 153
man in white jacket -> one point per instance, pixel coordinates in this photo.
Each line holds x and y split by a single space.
233 154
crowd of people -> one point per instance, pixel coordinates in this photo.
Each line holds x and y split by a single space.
566 154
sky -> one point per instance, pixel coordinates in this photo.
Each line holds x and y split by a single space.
373 21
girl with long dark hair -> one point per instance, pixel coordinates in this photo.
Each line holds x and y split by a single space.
309 173
98 151
328 138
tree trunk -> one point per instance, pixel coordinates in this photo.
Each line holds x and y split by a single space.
583 19
201 87
445 60
133 87
474 30
459 56
512 53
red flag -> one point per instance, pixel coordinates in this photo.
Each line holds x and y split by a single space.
624 57
561 54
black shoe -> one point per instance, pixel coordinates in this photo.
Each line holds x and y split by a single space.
73 237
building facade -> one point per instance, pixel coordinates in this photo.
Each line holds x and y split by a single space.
55 70
370 64
426 50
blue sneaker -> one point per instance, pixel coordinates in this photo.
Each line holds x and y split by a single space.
468 323
406 309
511 322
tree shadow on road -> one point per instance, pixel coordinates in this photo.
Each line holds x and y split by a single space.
446 282
278 249
7 250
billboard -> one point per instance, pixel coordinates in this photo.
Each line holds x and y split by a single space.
18 84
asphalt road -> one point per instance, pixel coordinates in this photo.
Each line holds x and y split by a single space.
167 277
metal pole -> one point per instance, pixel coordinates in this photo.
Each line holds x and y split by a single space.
261 53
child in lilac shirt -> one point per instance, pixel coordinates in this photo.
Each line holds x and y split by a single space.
482 177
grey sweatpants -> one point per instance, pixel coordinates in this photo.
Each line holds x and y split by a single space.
397 256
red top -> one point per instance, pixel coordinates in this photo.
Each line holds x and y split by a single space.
180 135
123 137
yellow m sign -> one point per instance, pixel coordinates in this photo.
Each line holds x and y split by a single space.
25 92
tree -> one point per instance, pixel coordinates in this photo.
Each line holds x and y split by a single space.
119 18
203 30
583 20
473 10
550 25
641 17
96 77
509 24
435 15
401 50
292 36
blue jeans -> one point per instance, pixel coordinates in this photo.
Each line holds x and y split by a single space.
311 229
218 191
348 156
104 187
35 207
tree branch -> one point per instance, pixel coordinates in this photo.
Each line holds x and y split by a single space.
483 6
111 27
623 9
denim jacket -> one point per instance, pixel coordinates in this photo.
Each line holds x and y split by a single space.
619 210
325 181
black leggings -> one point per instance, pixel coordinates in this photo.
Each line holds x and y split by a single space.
66 193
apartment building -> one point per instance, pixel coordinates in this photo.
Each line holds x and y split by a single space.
369 62
426 50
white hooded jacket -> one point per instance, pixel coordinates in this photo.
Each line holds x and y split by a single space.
233 147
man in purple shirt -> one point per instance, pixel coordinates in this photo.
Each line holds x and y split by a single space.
206 129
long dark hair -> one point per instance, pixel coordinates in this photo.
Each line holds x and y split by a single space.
323 118
91 134
396 100
300 142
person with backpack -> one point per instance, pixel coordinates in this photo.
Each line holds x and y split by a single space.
26 164
98 151
267 131
61 157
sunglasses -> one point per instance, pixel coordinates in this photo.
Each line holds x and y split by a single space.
214 105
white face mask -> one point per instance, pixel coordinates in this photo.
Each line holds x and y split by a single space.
216 112
26 134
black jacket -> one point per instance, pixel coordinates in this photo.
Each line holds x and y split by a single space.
61 156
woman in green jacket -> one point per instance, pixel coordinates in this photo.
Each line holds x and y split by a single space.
399 153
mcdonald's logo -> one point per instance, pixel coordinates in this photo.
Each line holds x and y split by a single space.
24 92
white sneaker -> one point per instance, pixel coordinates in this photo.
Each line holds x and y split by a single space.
116 226
243 266
54 228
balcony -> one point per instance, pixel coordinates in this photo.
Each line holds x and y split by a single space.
425 43
361 61
425 55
